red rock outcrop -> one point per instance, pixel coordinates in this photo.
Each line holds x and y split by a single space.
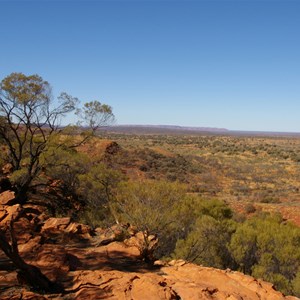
100 266
7 198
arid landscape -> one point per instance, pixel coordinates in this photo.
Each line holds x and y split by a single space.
221 182
149 150
249 172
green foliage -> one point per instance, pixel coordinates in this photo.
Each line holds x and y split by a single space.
164 167
97 188
264 246
25 89
269 248
243 247
29 126
19 177
206 243
95 114
296 284
154 208
28 121
206 237
65 165
215 208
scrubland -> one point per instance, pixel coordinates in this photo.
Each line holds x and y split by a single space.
220 201
248 173
217 201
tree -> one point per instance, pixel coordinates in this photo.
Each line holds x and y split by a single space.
64 165
93 115
30 130
28 274
29 120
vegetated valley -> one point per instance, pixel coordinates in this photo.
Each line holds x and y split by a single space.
242 198
250 173
215 200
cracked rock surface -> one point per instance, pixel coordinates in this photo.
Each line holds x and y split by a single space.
98 266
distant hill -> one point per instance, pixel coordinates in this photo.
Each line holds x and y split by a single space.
163 129
174 129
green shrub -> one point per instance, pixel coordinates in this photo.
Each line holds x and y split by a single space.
267 247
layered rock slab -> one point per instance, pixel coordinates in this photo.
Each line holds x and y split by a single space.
97 267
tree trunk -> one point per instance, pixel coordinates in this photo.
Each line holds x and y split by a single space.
27 274
34 278
21 195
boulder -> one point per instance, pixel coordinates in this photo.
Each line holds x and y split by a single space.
120 285
195 282
138 241
56 225
62 229
7 198
117 232
81 230
8 213
30 246
53 260
3 213
27 295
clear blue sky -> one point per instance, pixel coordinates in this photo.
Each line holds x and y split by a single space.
231 64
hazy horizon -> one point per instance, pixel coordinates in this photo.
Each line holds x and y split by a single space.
223 64
203 127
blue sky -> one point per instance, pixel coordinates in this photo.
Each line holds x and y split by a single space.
230 64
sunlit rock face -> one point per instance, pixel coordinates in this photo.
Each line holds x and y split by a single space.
95 264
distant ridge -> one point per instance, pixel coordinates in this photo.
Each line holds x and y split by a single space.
176 129
163 129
